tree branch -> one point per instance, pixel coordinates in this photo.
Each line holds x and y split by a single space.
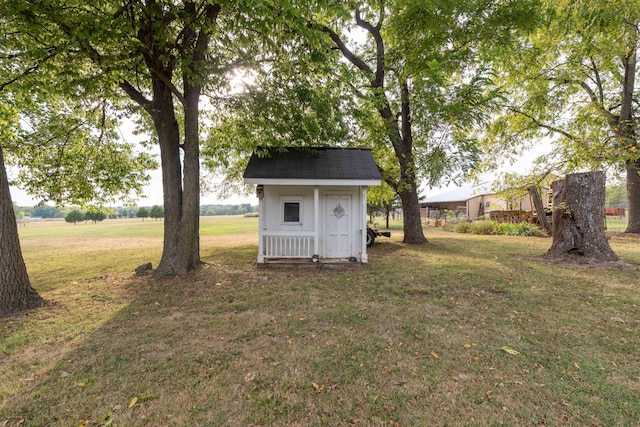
211 12
377 37
28 71
135 94
611 118
544 125
167 81
598 82
346 52
405 111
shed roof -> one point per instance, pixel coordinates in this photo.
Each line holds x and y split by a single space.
316 163
462 194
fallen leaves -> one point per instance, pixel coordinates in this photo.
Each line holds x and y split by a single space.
133 402
510 350
250 376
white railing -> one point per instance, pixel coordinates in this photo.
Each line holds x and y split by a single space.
287 245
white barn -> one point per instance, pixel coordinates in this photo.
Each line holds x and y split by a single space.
312 202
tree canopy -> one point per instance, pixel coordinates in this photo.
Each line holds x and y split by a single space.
405 78
155 60
61 136
573 82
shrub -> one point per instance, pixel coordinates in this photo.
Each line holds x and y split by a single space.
518 229
483 227
448 226
461 227
489 227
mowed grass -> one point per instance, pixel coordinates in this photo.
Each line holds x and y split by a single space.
466 330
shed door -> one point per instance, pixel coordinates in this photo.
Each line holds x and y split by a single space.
338 214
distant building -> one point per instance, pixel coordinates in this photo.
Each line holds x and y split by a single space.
478 200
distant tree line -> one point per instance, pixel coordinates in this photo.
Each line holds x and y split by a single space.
616 195
156 212
43 211
214 210
76 216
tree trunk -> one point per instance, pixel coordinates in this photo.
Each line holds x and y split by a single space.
579 218
16 293
172 262
625 128
408 175
191 180
537 202
181 185
633 196
412 227
387 214
400 136
406 187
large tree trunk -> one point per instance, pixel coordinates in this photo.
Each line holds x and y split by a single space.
406 187
579 218
191 181
173 262
625 128
412 226
16 292
181 185
399 135
633 196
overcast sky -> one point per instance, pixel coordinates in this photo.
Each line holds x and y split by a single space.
153 191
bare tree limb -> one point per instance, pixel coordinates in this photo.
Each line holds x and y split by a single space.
346 52
544 125
27 71
377 37
135 94
598 81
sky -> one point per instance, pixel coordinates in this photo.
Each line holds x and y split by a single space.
152 195
153 191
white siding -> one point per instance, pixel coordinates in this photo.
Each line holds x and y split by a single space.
304 233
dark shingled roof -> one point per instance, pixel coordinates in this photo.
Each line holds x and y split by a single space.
314 163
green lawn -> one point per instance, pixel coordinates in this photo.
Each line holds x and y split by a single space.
130 228
466 330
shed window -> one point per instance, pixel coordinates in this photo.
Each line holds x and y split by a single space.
292 212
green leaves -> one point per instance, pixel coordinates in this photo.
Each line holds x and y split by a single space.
69 154
566 81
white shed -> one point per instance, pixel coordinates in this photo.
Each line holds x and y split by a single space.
312 202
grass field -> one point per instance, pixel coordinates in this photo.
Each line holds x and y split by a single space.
466 330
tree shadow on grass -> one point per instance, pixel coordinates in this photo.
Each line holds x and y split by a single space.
235 345
175 351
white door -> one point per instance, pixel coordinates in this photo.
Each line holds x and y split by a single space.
338 213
